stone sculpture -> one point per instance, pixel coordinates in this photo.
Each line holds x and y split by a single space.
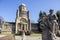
45 28
49 25
53 20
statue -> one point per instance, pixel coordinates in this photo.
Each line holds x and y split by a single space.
46 35
53 20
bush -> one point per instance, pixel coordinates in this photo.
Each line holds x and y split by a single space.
19 33
28 32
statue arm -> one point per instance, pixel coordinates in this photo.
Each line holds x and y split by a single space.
42 26
56 17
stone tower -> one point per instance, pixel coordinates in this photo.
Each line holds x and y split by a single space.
22 19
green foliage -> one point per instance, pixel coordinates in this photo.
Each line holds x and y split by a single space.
58 13
28 32
40 16
40 13
36 35
44 13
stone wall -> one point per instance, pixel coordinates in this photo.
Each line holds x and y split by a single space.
7 28
34 27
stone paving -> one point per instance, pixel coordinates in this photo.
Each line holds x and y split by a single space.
2 35
6 38
18 38
32 38
28 38
57 38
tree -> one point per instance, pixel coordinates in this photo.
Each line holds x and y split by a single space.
58 14
44 13
40 15
1 21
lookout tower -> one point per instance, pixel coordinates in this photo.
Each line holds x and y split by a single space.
22 19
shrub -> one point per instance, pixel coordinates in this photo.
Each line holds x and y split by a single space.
28 32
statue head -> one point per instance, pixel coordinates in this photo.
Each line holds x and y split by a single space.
51 11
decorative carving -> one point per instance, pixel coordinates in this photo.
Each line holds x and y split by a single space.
23 20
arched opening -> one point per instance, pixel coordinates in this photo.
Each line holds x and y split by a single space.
23 25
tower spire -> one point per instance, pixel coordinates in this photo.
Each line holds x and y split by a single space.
22 7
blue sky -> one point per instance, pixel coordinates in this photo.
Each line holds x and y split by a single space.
8 8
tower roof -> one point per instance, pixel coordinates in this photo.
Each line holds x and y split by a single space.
23 4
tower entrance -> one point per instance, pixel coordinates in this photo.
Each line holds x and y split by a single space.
22 27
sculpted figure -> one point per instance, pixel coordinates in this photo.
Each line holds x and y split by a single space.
46 35
53 19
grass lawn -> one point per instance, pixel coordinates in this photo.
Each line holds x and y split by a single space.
7 34
36 35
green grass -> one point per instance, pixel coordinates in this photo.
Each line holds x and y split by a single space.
7 34
36 35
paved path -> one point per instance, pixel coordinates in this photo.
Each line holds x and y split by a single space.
32 38
5 37
2 35
57 38
28 38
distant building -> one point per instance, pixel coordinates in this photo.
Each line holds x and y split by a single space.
22 22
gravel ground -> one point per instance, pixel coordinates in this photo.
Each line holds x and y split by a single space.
7 38
26 38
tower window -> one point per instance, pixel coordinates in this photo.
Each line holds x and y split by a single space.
23 20
19 25
24 13
23 7
6 26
